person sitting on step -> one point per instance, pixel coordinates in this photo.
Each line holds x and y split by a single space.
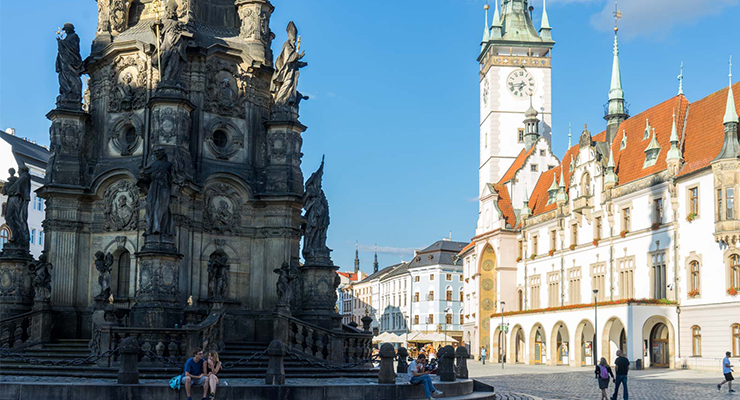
213 367
194 373
418 375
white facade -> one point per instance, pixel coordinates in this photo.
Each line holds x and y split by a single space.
395 301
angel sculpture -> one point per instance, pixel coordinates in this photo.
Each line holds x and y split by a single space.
104 265
41 278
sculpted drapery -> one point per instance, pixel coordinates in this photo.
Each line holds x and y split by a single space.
156 180
69 66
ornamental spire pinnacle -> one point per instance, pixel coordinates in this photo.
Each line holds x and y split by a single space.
545 27
569 135
680 81
496 15
674 153
375 262
357 259
616 111
730 111
486 28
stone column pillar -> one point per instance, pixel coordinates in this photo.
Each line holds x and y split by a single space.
318 294
284 175
156 300
387 354
254 16
446 369
15 286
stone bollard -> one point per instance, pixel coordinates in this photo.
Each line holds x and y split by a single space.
129 371
275 369
403 365
387 354
446 368
461 354
366 321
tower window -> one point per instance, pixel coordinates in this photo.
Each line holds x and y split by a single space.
730 203
520 135
533 167
542 153
220 138
694 201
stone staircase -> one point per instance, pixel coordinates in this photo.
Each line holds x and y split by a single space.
69 349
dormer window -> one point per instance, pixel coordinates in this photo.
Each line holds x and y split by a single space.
623 145
652 151
552 192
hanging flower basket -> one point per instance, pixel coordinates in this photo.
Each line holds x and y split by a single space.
691 217
596 242
572 247
551 252
692 293
732 291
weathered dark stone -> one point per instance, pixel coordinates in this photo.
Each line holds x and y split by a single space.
18 190
402 365
104 265
285 79
366 321
461 354
446 369
70 67
387 354
156 180
41 272
275 369
315 250
129 351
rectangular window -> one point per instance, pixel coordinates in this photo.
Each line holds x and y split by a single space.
416 297
694 201
719 204
553 290
520 135
416 320
598 280
33 236
520 249
533 167
626 219
658 276
658 211
730 203
598 228
41 238
534 244
626 277
448 277
448 295
448 319
416 279
534 292
574 286
431 277
462 319
574 234
542 153
430 319
430 297
553 240
462 296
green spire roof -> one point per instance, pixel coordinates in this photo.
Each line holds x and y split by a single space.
486 28
496 15
517 24
615 91
545 21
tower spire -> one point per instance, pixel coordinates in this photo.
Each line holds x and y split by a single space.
616 111
569 135
545 29
375 263
357 259
730 147
673 153
680 81
730 111
486 29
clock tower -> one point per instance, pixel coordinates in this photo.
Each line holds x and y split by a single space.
514 73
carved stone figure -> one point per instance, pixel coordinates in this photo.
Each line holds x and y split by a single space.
104 265
317 220
226 93
121 203
223 209
285 78
129 79
103 17
69 66
119 15
156 180
172 46
218 277
18 190
248 23
296 283
41 278
284 288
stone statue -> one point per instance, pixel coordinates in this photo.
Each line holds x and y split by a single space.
18 190
41 278
172 47
218 277
285 79
104 265
284 289
70 67
156 180
317 220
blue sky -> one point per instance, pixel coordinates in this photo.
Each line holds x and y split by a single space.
394 94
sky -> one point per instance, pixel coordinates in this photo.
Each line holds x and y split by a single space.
394 94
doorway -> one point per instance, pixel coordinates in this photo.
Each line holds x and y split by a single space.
538 348
659 346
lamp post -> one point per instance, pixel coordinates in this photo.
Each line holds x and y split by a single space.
503 336
596 324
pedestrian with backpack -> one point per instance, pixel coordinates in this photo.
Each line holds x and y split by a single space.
603 372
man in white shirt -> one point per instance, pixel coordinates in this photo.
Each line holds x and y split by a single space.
417 375
727 370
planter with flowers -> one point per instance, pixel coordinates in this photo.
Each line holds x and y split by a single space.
518 259
572 247
692 293
623 233
733 291
596 242
551 252
692 216
532 257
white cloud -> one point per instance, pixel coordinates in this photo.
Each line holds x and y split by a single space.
386 249
650 17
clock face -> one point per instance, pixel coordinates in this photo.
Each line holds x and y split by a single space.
520 83
485 92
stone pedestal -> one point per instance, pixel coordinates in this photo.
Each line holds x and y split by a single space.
67 134
16 295
41 324
387 354
446 369
318 295
275 374
129 371
284 175
461 354
156 300
171 125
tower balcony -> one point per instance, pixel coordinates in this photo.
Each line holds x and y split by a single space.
727 231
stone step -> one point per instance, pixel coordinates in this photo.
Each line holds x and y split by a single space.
473 396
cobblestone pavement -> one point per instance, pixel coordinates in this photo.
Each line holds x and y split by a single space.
563 383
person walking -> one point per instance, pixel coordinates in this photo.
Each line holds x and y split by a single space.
483 355
727 370
623 366
603 372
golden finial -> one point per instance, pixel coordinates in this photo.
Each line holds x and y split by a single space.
298 44
486 7
190 301
617 16
110 299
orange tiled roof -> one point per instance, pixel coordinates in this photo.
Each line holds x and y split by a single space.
504 204
466 248
349 275
517 165
629 162
705 132
538 198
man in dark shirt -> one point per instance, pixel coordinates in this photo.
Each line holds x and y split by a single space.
193 373
623 366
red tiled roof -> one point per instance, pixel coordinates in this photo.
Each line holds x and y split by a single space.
538 198
349 275
466 248
629 161
517 165
705 132
504 204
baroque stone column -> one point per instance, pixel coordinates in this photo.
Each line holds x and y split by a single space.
254 16
283 170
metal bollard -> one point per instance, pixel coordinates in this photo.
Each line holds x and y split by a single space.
129 371
387 354
275 368
403 365
446 369
461 354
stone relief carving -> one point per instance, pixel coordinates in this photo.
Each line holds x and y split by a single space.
227 88
128 81
168 121
158 277
121 206
218 275
249 23
223 209
103 17
41 272
119 15
104 265
156 180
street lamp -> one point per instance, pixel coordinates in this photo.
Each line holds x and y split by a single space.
503 336
596 324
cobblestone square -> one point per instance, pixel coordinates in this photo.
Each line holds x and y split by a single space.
517 382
